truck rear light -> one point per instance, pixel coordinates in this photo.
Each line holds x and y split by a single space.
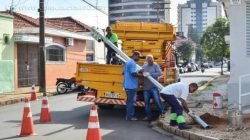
92 93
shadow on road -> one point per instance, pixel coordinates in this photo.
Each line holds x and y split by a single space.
10 138
75 117
114 122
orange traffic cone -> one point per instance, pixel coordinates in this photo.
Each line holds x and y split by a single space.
27 123
93 132
45 113
33 93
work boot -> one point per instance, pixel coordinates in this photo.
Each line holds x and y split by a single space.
184 126
173 123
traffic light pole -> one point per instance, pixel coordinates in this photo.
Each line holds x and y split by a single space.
42 79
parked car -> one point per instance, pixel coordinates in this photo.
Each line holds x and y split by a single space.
210 64
205 65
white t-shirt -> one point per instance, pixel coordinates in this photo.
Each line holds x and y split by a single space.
179 90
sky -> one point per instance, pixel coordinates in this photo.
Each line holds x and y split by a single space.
75 8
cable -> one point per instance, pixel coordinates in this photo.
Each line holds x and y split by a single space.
96 8
96 14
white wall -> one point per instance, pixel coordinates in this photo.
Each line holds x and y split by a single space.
240 64
99 52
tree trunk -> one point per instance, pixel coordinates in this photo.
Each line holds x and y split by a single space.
222 67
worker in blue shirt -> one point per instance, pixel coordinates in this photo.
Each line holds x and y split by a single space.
130 84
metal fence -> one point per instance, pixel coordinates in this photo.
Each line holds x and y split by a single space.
244 88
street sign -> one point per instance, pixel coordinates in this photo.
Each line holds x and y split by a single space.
235 2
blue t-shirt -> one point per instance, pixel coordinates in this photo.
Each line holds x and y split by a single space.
130 81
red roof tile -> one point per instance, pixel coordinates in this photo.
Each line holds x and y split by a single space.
21 20
64 23
68 23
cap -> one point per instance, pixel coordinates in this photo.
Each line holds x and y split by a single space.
137 53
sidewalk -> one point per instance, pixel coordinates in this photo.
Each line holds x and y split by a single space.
20 94
216 118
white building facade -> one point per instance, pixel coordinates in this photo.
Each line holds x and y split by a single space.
238 13
139 10
197 13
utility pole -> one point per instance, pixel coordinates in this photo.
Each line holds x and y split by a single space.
42 79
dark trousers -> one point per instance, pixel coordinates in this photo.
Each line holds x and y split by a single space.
108 56
175 105
176 117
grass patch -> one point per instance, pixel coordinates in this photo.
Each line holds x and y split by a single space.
209 86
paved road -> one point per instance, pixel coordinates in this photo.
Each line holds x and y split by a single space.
70 119
198 76
70 122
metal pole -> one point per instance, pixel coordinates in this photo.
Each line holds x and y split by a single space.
42 81
98 36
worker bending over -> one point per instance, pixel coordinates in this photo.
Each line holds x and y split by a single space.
171 94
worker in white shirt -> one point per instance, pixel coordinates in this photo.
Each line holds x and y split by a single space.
171 94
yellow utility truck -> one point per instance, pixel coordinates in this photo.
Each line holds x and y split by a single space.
104 81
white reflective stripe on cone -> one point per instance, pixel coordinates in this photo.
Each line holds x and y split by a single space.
27 105
29 114
93 125
45 106
93 113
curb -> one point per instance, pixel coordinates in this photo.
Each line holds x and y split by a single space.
208 82
21 99
183 133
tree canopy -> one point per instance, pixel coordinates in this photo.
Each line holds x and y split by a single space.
213 41
185 50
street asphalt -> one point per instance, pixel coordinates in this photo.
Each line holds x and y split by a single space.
70 119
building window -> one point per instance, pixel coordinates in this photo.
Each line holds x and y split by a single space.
116 15
136 14
55 53
135 7
90 45
90 57
115 1
6 38
116 8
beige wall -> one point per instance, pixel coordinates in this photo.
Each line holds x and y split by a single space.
65 70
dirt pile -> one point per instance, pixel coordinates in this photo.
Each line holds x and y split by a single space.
213 120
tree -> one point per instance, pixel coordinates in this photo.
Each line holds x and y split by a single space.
185 50
213 41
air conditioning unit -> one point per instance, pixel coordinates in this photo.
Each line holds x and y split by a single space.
69 41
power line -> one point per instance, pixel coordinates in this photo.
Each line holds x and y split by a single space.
100 10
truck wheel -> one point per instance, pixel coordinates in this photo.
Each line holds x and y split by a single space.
61 88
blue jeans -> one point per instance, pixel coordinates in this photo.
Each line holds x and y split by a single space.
131 97
152 93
